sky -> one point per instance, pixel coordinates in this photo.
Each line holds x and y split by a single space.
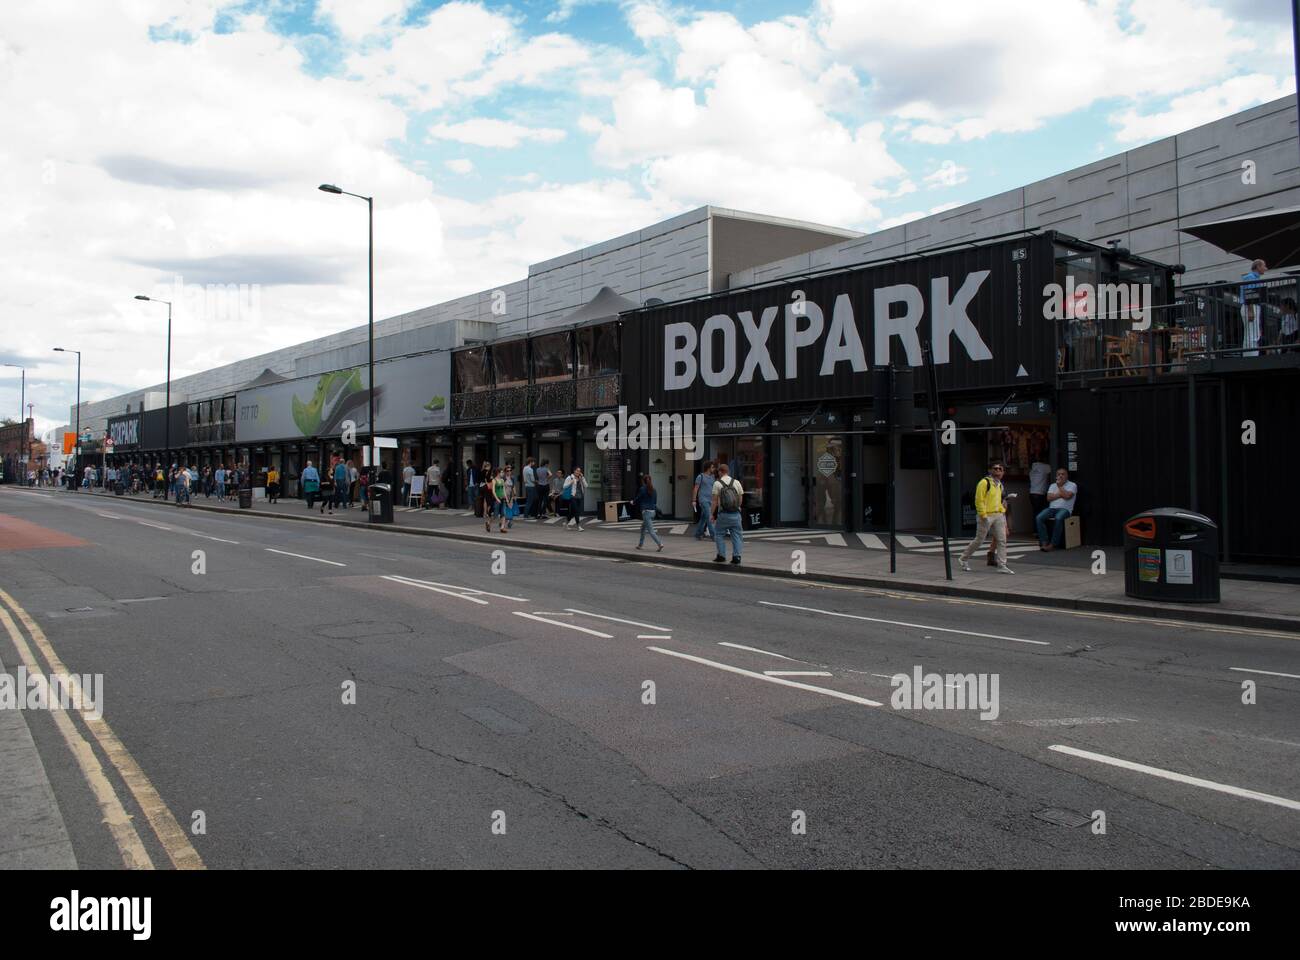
172 148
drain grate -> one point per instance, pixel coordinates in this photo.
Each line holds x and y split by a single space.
1063 818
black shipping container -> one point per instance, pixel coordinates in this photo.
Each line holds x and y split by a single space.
815 339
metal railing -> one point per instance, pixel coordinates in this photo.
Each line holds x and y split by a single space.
1237 320
557 398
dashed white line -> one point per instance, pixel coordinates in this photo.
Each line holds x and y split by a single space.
561 623
156 526
1267 673
303 556
903 623
825 691
206 537
653 636
797 673
741 646
140 599
1179 777
601 616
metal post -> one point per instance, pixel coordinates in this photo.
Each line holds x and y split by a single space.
893 551
1191 441
374 453
1223 470
167 428
932 383
22 402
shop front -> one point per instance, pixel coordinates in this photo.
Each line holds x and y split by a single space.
783 376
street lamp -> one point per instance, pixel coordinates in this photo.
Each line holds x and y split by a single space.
370 205
22 401
167 428
76 464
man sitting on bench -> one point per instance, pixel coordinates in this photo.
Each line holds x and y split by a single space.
1060 505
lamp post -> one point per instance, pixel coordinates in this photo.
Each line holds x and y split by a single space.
22 402
373 456
76 463
167 418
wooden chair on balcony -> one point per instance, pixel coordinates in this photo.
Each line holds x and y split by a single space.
1118 356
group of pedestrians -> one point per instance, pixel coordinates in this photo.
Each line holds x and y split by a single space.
339 485
495 492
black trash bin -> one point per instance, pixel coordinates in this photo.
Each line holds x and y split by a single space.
1171 554
381 502
245 498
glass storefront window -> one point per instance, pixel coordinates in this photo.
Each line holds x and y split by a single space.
745 458
472 373
598 353
510 363
553 357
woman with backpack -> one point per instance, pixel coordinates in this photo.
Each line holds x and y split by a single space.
574 493
647 504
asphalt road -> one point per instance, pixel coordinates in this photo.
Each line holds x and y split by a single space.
502 719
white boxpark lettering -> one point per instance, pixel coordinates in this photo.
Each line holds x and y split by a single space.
691 354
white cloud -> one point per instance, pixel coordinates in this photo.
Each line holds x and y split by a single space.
460 165
356 20
945 206
751 120
487 132
897 221
932 133
971 70
949 174
1202 106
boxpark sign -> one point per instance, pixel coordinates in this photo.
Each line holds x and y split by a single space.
818 338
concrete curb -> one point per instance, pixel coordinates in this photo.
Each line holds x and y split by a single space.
1191 614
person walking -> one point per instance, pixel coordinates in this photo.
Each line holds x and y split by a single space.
487 500
991 506
472 479
433 485
408 474
354 482
341 484
310 484
221 481
574 493
647 504
542 490
702 500
728 495
273 485
529 480
509 490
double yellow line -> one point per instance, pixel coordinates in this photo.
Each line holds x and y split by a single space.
169 833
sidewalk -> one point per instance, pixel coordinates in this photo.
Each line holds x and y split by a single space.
1058 579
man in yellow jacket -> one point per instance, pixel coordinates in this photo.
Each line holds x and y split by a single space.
992 509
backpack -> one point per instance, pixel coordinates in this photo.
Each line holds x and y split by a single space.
728 499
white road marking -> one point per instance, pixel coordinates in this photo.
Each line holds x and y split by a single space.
903 623
872 542
1067 721
601 616
1179 777
140 599
452 586
825 691
741 646
206 537
373 556
429 586
112 516
302 556
653 636
1268 673
157 526
797 673
561 623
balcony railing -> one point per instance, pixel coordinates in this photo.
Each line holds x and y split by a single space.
1235 320
557 398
